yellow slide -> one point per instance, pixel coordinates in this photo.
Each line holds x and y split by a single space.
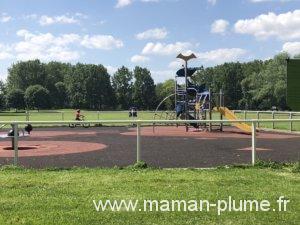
230 116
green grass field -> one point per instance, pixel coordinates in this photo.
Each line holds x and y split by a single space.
56 115
66 196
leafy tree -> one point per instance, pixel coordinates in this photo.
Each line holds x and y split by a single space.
122 85
36 96
24 74
99 91
89 86
250 70
2 95
227 77
162 91
270 84
60 95
143 89
15 99
55 73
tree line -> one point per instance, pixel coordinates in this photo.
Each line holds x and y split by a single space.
259 84
256 85
54 85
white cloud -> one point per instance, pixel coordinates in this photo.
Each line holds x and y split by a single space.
222 55
176 64
46 46
4 18
63 19
156 33
292 48
81 15
123 3
100 22
212 2
165 49
219 26
5 52
31 16
5 55
258 1
162 75
284 26
105 42
139 59
111 69
150 0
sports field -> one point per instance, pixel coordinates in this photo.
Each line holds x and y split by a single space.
66 196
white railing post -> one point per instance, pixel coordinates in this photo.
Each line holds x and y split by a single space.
291 122
27 115
253 142
273 117
257 117
138 142
15 144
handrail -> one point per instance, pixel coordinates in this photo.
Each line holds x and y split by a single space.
266 111
139 123
151 121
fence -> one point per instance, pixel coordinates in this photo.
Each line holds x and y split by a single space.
46 115
139 124
272 114
56 115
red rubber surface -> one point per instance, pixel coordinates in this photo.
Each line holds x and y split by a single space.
47 148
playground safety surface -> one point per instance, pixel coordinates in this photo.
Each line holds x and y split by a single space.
166 147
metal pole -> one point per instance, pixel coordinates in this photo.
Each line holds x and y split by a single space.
253 143
221 104
15 144
27 115
291 122
210 109
273 117
175 99
257 115
138 142
186 96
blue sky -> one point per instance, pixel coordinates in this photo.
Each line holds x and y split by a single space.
147 33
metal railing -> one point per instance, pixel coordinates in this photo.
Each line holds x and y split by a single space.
257 114
139 123
97 114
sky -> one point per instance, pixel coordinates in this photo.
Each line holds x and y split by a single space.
147 33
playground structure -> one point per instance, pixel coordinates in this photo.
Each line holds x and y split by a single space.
196 102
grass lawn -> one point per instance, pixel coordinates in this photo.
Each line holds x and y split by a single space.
66 196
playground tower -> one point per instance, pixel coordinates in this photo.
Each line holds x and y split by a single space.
193 102
196 102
